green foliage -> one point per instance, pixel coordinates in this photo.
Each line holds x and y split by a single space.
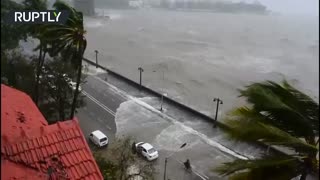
16 68
10 34
56 93
67 40
285 107
34 30
19 70
35 4
282 167
120 158
107 168
256 130
279 115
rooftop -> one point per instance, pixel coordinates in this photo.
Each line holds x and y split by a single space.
32 149
18 112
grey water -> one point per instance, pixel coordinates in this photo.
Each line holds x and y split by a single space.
196 56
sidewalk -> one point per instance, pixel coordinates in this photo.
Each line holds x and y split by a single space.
177 171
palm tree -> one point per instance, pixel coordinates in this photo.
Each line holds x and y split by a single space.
278 115
35 31
68 39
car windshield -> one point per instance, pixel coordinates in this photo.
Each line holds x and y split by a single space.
150 151
103 139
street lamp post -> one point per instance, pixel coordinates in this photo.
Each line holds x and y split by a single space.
141 70
166 160
219 101
162 93
96 51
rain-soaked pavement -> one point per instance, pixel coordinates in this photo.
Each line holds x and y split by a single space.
117 109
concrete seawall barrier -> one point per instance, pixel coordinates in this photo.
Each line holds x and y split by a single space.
155 93
174 102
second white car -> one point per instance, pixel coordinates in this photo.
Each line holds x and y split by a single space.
147 150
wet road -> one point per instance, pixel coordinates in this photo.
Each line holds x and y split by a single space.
116 113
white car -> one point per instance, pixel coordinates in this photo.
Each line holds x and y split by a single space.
98 138
147 150
72 84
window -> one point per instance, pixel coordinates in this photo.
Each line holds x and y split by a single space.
151 151
91 135
103 139
144 150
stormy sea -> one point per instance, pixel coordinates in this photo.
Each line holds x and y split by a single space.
194 57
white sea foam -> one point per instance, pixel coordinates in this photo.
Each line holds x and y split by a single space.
127 111
208 54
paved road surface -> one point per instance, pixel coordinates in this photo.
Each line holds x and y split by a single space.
114 113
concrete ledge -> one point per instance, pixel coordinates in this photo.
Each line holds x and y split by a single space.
155 93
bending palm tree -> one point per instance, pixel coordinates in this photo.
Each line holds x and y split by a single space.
35 31
69 40
280 115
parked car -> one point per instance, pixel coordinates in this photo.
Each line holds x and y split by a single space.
49 78
147 151
72 84
98 138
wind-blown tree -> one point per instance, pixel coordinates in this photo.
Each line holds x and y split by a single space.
11 34
18 71
68 40
57 90
278 115
121 163
35 31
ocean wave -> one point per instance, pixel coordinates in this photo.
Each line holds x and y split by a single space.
192 43
91 23
107 13
115 16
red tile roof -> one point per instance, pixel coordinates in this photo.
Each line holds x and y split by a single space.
18 112
59 149
20 171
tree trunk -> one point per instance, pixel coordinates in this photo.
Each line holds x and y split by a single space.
61 104
41 65
36 90
61 111
76 93
42 55
63 116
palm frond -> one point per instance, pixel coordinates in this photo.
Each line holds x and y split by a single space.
284 107
265 168
252 131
